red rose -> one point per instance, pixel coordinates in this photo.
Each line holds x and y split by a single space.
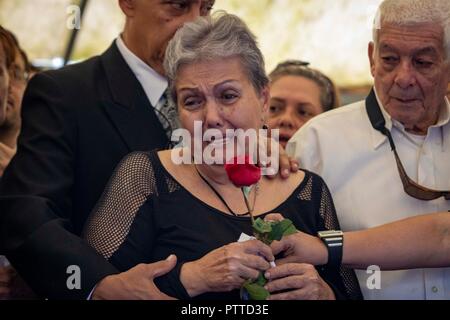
241 172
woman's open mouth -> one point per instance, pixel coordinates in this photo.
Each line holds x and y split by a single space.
284 138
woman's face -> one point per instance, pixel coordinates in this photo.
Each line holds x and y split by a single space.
220 95
294 100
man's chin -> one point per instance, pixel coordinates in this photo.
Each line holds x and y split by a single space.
402 109
408 120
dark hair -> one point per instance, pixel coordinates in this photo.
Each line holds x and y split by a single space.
329 97
8 45
11 47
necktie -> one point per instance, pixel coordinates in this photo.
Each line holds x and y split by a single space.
167 114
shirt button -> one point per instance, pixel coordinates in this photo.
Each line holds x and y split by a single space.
434 289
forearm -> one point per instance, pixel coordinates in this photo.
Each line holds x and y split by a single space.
422 241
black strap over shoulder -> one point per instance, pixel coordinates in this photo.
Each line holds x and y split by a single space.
376 117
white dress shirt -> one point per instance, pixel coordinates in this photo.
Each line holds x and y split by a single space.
359 167
151 81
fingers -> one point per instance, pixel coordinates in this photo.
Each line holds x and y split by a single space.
160 268
280 246
294 165
246 273
135 284
302 279
288 269
285 164
256 263
289 259
288 283
304 287
274 217
258 248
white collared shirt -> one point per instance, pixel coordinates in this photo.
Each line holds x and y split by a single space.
359 167
151 81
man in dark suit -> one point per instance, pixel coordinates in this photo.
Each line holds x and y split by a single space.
78 123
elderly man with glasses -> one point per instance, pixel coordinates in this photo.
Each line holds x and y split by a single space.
387 158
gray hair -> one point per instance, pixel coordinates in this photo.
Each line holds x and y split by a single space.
411 12
218 36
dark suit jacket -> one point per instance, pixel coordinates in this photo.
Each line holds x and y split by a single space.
78 123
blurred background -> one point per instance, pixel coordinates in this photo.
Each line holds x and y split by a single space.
330 34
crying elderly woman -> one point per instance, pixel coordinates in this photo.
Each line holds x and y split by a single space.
154 207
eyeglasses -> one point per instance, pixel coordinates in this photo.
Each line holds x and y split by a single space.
411 188
18 74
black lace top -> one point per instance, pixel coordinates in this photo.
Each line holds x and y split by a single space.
145 215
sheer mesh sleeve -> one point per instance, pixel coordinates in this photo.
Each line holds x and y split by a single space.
327 212
131 184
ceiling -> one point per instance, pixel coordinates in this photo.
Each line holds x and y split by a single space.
330 34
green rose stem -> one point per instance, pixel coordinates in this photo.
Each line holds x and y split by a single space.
246 191
265 231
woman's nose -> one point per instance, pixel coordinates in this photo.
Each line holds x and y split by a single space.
212 115
288 119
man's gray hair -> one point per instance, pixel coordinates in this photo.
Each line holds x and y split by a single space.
411 12
214 37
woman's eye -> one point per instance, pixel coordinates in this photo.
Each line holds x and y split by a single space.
229 96
192 102
305 113
273 109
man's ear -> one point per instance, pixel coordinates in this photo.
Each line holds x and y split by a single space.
371 53
128 7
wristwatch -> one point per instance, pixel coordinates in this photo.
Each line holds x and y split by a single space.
334 240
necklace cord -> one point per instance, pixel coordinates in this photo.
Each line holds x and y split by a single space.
223 200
